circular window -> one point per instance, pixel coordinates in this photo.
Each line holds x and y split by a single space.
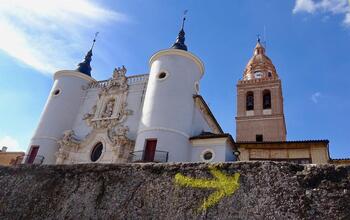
208 155
96 152
162 75
56 92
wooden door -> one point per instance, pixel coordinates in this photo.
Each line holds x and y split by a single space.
32 155
150 150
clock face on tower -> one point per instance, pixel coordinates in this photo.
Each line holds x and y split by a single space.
258 75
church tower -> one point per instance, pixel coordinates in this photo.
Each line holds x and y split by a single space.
260 115
60 111
166 119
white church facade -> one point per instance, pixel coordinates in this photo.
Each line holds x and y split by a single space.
155 117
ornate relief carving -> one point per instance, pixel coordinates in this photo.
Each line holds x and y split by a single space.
110 109
91 114
68 143
122 145
107 116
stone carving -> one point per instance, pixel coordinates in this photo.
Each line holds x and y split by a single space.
122 144
68 143
91 114
108 113
108 109
117 84
107 116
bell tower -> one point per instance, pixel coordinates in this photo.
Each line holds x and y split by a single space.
260 115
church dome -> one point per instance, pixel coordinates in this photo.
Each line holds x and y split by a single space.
260 65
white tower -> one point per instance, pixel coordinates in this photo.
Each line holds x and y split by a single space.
60 111
166 119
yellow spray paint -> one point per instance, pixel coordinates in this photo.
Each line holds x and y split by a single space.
225 185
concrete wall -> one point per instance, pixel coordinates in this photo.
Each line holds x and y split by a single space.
151 191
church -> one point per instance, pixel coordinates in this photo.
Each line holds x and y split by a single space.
161 116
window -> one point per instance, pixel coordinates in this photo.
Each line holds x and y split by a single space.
162 75
207 155
266 99
250 101
56 92
269 74
259 138
96 152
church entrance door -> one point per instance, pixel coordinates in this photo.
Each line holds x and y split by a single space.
150 150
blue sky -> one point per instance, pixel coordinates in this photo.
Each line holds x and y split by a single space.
307 40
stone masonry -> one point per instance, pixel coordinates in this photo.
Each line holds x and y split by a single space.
267 190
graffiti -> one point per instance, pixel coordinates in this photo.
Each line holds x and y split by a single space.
225 185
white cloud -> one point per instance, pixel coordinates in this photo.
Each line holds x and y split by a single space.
325 6
315 97
45 34
11 143
304 5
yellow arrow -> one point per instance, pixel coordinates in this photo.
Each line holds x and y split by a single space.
225 185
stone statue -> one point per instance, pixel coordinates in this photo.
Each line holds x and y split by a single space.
108 109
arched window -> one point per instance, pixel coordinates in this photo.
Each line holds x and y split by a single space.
250 101
266 99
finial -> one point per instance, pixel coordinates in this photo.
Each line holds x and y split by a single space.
93 42
84 66
259 48
184 19
180 40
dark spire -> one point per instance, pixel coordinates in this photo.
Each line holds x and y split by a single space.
180 40
84 66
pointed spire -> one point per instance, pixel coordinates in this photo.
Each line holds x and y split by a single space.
180 40
84 66
259 48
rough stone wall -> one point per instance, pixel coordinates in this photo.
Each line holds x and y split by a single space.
267 190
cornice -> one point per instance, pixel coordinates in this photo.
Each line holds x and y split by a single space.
179 53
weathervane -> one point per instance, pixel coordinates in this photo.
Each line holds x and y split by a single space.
183 19
93 42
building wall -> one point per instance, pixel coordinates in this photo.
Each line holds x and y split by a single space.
59 112
90 136
220 147
316 152
169 108
340 161
7 157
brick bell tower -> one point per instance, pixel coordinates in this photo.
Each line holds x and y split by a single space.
260 115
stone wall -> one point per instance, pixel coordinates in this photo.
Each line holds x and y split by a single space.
258 190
